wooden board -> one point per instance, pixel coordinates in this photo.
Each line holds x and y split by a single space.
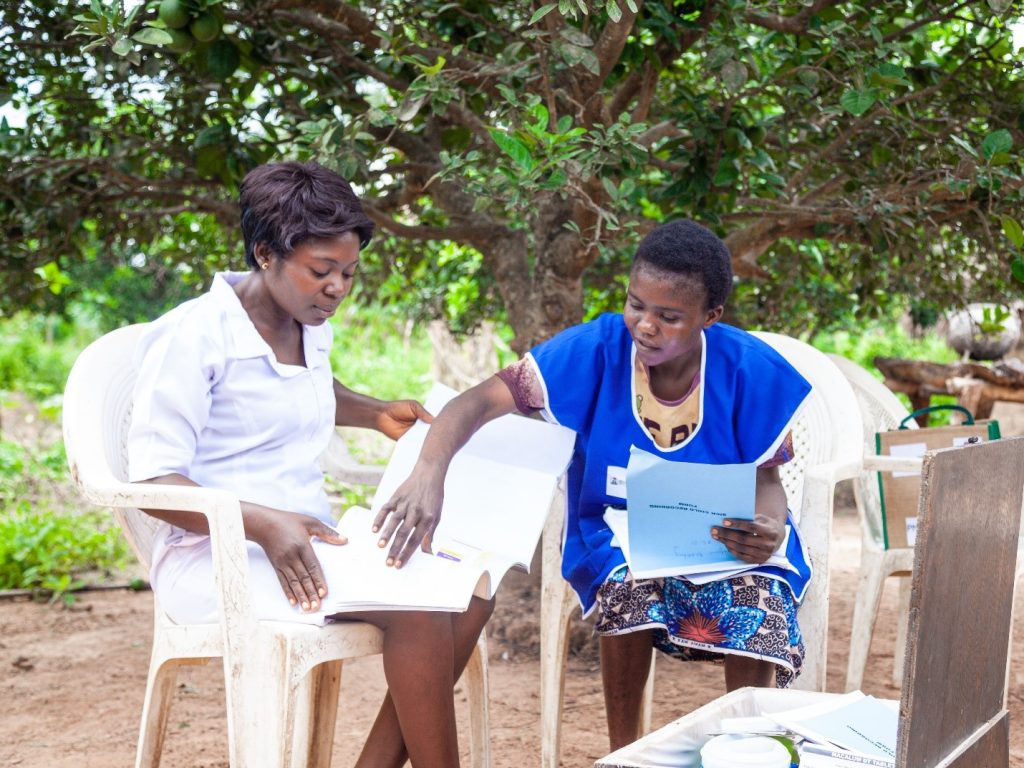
961 605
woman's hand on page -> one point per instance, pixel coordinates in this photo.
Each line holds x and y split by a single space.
410 516
752 541
285 537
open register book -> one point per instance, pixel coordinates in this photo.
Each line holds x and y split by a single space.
497 495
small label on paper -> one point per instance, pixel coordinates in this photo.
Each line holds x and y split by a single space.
911 531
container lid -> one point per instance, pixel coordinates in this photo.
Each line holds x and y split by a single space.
730 751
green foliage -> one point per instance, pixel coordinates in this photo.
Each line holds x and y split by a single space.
44 544
887 339
863 147
884 340
381 353
993 319
36 354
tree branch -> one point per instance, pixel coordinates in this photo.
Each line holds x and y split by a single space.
795 24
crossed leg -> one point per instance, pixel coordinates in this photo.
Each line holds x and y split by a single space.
424 654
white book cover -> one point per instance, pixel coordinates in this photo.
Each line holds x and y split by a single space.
498 493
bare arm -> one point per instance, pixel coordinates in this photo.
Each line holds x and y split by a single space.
391 417
414 510
754 541
284 536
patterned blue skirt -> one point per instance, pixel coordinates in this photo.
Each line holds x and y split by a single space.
750 615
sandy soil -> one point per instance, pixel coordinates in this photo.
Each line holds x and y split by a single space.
71 681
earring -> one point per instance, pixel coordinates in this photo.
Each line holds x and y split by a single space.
265 265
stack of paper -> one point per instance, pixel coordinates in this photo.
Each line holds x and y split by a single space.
497 496
672 506
850 730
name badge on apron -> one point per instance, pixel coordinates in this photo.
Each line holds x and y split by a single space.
615 485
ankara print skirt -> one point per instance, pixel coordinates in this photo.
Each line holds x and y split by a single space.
750 615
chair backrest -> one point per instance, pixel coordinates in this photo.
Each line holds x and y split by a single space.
826 438
97 413
880 411
823 432
961 608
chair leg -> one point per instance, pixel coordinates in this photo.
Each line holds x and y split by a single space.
156 707
902 621
869 594
474 677
647 703
557 606
261 708
318 730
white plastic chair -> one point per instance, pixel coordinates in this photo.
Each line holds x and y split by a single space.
281 679
880 411
828 449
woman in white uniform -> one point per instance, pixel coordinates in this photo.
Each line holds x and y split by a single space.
236 392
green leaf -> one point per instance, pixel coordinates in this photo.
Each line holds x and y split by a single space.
631 4
889 74
541 12
576 37
222 59
964 146
726 174
434 68
152 36
514 148
997 141
1013 230
719 55
734 75
857 102
122 46
1000 6
1017 270
410 106
212 135
613 10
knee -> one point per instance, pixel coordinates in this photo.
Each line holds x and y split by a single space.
480 611
417 623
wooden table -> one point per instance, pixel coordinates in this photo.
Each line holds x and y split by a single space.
976 386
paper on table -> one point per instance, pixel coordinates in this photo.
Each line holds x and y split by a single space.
672 506
854 722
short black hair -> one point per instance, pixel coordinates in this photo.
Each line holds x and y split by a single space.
286 204
684 247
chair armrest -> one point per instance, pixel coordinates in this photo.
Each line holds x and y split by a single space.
832 472
227 535
337 462
893 463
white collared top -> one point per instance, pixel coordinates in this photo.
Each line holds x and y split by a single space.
213 403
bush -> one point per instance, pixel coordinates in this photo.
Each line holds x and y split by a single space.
44 544
890 340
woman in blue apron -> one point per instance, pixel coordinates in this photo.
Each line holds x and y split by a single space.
667 378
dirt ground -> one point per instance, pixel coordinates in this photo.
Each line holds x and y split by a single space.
71 681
